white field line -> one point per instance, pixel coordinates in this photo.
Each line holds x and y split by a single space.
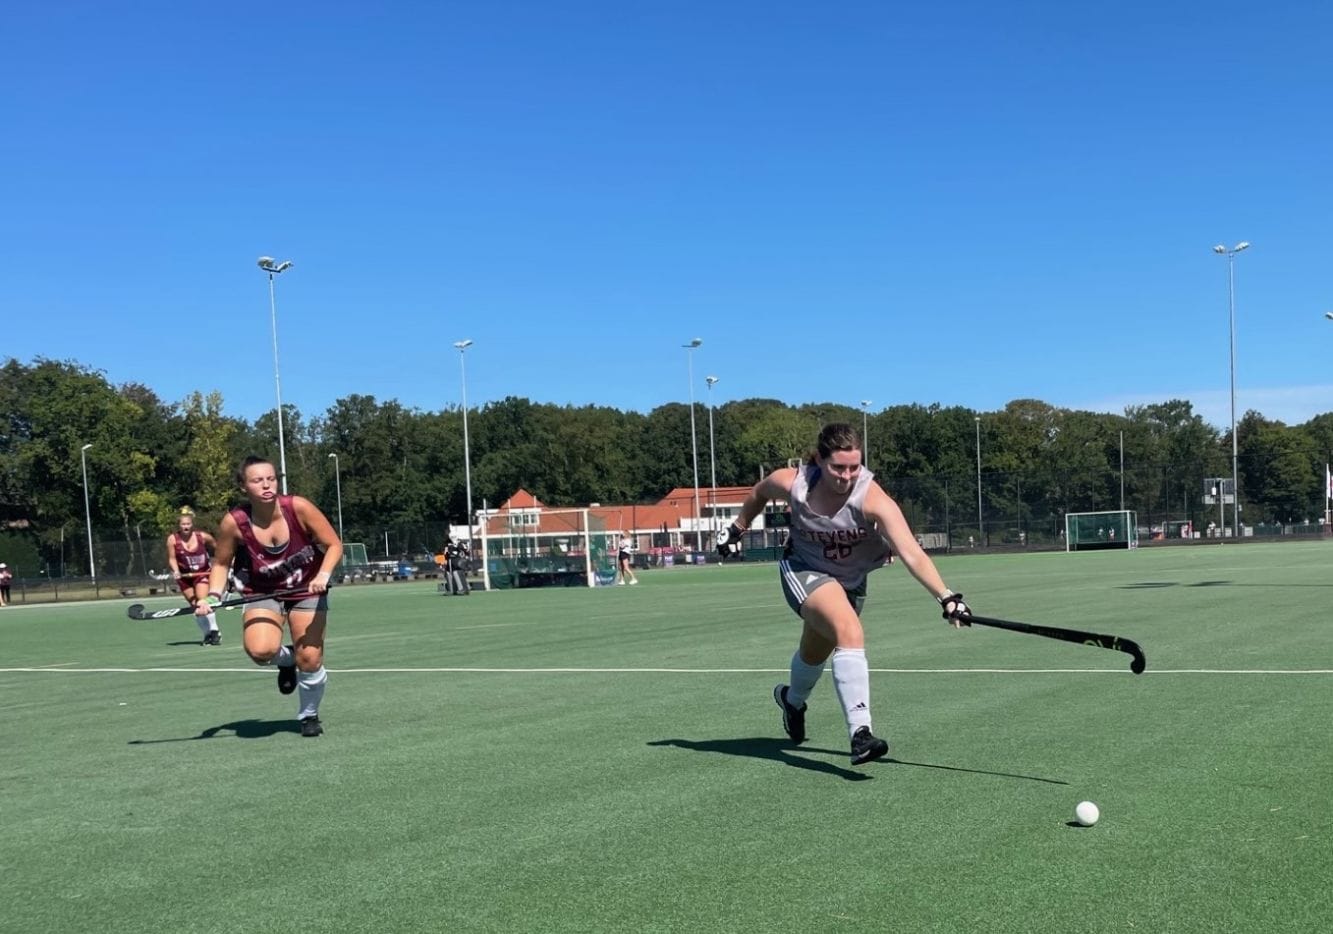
255 669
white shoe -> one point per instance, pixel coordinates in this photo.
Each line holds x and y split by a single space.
633 582
620 583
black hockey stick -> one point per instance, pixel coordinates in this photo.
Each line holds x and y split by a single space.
137 610
1115 643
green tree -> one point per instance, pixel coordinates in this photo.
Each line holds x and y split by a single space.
206 467
1279 481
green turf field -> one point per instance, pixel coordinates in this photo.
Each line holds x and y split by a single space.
611 760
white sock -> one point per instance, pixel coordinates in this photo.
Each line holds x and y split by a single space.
285 657
804 677
310 691
212 622
202 623
851 679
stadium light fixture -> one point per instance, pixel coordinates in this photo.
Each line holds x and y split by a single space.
462 346
690 348
275 269
88 515
712 460
1230 254
338 482
268 264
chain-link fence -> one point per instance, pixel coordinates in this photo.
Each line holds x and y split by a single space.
1002 512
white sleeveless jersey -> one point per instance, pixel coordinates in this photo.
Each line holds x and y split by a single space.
847 545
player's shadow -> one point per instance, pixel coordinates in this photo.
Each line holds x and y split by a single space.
237 729
186 642
768 747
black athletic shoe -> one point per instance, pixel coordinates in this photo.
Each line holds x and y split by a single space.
213 638
287 675
793 718
311 726
866 746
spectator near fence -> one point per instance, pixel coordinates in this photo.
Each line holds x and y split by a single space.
6 576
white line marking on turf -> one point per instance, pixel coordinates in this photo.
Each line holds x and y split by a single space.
681 671
352 637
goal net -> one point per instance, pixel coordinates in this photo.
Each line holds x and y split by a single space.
546 548
355 563
1089 531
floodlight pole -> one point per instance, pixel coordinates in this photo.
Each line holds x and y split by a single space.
274 269
88 516
1328 316
1122 471
981 523
338 482
694 440
712 461
1230 254
865 432
462 346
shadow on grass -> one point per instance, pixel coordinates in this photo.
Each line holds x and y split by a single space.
237 729
955 768
781 750
186 642
1152 585
767 747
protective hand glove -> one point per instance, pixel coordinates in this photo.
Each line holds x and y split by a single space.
955 610
729 541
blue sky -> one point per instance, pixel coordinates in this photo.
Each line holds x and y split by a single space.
957 202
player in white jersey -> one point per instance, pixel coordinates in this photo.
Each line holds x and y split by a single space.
843 525
625 560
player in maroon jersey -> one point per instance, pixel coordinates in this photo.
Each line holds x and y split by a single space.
187 554
284 546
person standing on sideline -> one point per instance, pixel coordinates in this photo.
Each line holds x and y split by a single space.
285 547
6 578
456 560
187 554
843 525
625 559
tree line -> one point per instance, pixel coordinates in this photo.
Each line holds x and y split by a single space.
403 467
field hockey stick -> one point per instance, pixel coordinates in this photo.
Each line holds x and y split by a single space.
137 610
1115 643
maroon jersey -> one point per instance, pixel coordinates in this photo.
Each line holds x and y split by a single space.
261 569
192 563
